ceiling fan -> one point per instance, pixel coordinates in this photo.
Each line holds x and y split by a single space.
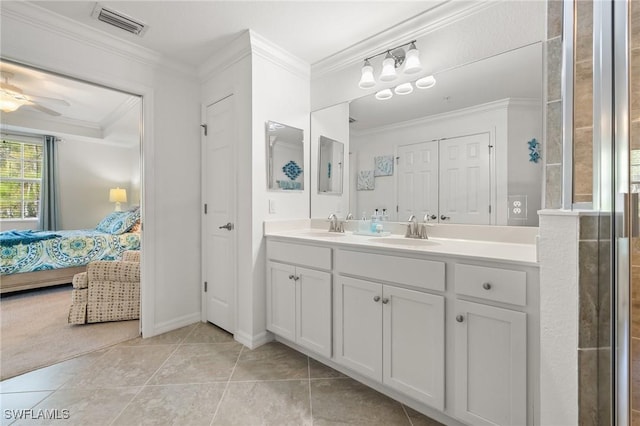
12 98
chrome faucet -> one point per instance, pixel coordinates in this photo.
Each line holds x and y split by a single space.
415 229
334 224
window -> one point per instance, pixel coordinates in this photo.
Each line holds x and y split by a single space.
20 177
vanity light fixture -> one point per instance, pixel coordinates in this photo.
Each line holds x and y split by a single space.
393 59
384 94
403 89
426 82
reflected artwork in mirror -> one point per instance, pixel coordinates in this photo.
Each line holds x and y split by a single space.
461 147
286 157
330 166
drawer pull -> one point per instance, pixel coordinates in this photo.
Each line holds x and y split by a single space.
291 277
385 300
459 318
376 298
486 286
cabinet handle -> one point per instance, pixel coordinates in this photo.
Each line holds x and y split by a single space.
443 217
376 298
296 278
459 318
385 300
486 286
291 277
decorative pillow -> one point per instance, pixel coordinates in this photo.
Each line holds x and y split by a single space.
137 227
118 222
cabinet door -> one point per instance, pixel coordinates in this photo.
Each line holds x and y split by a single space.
358 316
281 300
413 342
313 310
490 365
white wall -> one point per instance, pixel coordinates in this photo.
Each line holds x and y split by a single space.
333 123
170 271
86 172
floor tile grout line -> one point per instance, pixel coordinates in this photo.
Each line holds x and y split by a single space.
143 386
215 413
34 405
310 401
406 414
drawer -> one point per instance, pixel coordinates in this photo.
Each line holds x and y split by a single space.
421 273
497 284
299 254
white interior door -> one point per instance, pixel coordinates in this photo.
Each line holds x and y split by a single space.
465 180
219 251
417 180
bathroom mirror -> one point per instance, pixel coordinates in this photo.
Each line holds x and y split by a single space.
330 166
286 157
459 151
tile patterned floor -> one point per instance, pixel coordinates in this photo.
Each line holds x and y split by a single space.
198 375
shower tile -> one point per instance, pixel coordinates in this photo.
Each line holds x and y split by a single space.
589 227
554 69
588 387
584 30
604 294
604 384
588 294
583 95
634 78
635 24
554 18
553 149
583 162
553 186
635 373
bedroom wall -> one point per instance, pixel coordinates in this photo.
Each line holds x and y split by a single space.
87 170
171 146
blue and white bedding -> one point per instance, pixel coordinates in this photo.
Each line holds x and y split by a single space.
71 248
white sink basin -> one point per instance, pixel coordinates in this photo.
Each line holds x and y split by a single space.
407 242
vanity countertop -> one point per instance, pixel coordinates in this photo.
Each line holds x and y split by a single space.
523 254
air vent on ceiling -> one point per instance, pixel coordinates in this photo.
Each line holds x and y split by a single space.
119 19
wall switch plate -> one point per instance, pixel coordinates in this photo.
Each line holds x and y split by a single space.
517 206
272 206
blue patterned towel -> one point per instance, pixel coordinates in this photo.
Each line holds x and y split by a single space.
12 238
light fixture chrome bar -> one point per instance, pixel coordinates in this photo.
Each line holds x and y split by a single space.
567 103
384 52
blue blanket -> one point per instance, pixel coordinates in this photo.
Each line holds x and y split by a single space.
12 238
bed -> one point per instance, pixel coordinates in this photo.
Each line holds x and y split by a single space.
58 258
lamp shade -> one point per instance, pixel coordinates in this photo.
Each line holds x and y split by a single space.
426 82
403 89
118 195
384 94
412 63
388 68
366 80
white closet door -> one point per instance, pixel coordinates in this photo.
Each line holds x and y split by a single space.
465 180
417 180
219 251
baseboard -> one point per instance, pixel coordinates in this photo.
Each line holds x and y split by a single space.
253 342
175 323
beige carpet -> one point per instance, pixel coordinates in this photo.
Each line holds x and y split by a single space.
35 333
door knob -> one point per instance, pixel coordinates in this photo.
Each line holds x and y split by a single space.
385 300
376 298
459 318
291 277
486 286
443 217
228 226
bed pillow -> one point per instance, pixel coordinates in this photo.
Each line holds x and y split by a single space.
118 222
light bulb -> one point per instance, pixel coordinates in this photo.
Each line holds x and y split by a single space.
388 68
403 89
384 94
412 63
366 80
426 82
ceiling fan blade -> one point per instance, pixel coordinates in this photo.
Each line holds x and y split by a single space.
46 100
43 109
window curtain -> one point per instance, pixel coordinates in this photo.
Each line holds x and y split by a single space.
49 205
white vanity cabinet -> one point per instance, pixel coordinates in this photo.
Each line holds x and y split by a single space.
490 346
391 334
298 297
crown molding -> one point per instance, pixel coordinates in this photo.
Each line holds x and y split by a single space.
122 109
486 107
238 49
413 28
270 51
36 16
